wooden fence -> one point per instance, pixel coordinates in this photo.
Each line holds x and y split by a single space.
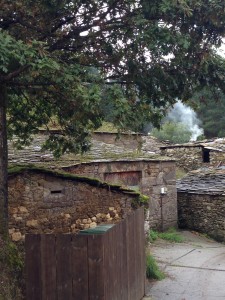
109 266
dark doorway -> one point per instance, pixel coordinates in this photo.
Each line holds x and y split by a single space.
205 155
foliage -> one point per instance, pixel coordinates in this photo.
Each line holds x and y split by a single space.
173 132
210 106
153 235
180 173
170 235
107 127
11 265
142 200
82 62
152 269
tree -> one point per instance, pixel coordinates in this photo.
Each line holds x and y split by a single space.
174 132
210 106
72 59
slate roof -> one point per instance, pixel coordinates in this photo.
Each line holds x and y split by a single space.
33 154
18 170
203 181
217 144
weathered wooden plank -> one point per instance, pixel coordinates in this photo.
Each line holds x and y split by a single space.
139 253
115 269
107 264
119 268
131 257
96 267
136 257
79 258
64 267
124 261
33 267
48 266
142 251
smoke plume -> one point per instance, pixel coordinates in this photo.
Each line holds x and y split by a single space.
186 115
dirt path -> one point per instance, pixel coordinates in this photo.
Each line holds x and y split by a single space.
195 269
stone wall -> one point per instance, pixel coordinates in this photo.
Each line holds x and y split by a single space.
204 213
128 141
141 142
217 158
43 203
191 158
187 158
150 176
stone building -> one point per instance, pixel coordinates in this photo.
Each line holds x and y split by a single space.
201 202
136 142
119 164
153 177
44 201
194 155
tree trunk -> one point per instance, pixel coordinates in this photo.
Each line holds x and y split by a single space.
3 165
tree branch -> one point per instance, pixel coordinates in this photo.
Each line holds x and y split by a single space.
13 74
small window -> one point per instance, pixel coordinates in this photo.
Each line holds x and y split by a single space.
205 155
56 192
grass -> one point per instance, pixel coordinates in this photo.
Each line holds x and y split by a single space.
180 173
170 235
152 269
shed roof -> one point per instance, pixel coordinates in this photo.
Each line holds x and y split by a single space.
18 170
203 181
217 144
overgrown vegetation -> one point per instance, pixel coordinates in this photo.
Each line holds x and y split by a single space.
210 107
173 132
180 173
170 235
11 266
152 269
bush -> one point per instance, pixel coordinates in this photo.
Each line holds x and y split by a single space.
173 132
152 236
152 269
11 266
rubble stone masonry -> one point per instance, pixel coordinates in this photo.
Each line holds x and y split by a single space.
43 203
191 158
149 176
202 212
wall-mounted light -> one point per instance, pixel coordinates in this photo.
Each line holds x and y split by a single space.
163 190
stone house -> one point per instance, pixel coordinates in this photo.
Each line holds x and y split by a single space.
44 201
195 155
201 202
135 142
151 174
153 177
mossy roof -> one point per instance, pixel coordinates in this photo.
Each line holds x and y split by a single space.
100 152
19 169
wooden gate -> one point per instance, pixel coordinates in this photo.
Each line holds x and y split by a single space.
109 266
